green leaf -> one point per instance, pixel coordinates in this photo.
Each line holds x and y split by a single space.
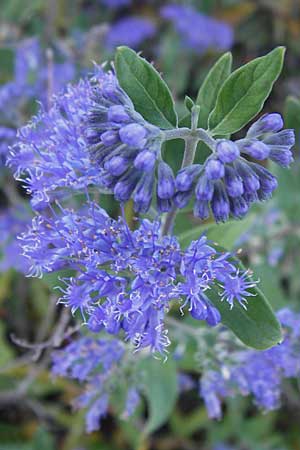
188 103
225 234
149 93
270 284
256 326
243 94
211 86
161 390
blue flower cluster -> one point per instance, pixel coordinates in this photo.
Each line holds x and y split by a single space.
257 373
197 30
228 182
51 149
96 362
93 137
131 31
126 280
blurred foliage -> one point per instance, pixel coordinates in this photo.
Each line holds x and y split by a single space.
42 419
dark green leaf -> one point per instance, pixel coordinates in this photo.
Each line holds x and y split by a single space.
211 86
243 94
147 90
255 326
161 390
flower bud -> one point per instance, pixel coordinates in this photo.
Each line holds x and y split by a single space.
133 135
201 209
227 151
284 137
256 149
165 181
238 207
204 189
163 205
214 169
109 138
116 165
142 195
213 316
266 124
181 199
145 161
124 188
220 203
234 183
117 113
186 177
249 177
281 155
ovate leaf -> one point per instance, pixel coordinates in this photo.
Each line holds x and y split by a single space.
149 93
211 86
243 94
160 381
256 326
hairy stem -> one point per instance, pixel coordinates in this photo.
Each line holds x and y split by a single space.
189 154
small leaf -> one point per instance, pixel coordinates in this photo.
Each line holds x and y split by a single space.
188 103
243 94
211 86
161 390
149 93
256 326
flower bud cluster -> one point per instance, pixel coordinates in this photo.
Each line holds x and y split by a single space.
127 149
228 182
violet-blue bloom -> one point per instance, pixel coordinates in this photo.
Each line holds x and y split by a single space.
51 149
126 280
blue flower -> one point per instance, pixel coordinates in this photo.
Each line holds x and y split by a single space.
125 281
51 150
